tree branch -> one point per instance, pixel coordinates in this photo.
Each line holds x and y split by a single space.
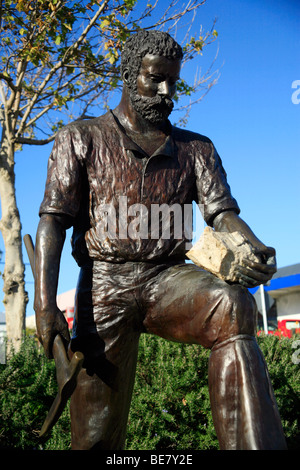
25 140
8 80
58 66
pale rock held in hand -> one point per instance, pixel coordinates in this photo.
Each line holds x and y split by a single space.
221 253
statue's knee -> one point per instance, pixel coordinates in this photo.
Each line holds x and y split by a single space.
239 313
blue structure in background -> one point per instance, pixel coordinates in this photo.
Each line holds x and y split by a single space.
282 293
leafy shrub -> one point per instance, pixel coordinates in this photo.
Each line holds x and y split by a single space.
170 406
285 378
27 389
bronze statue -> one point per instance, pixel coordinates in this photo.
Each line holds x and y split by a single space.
101 173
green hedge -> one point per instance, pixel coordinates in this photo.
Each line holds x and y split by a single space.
170 407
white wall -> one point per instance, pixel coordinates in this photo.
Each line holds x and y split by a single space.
288 306
2 342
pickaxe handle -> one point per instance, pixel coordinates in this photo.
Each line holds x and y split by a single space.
66 371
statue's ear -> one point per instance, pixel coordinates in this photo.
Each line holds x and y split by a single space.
125 76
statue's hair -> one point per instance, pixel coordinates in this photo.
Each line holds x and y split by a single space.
147 42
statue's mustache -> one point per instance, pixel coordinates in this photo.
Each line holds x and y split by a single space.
157 101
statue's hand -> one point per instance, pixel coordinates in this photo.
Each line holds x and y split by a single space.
49 324
256 273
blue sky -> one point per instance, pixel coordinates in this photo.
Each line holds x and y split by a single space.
248 114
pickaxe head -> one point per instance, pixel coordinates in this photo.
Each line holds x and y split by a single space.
66 375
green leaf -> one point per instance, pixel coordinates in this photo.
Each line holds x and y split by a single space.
104 24
69 27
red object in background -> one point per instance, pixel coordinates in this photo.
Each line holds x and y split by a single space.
285 328
69 314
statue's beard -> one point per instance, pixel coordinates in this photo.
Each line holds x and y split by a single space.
156 110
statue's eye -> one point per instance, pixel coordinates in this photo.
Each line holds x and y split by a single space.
156 78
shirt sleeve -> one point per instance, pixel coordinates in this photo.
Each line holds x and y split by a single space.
63 184
213 191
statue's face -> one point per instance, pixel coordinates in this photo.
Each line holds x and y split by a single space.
155 87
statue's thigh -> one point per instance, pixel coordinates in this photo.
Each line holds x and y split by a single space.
190 305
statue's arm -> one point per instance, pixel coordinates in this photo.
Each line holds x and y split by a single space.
254 273
49 244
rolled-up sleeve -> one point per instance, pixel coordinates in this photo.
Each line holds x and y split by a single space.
213 191
63 185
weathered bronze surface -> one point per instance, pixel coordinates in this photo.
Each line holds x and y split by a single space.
135 280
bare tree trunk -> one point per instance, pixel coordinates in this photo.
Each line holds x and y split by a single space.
15 298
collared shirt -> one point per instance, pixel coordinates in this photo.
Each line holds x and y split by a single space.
125 205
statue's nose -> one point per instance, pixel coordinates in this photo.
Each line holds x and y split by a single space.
164 88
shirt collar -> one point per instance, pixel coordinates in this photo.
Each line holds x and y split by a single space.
166 149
